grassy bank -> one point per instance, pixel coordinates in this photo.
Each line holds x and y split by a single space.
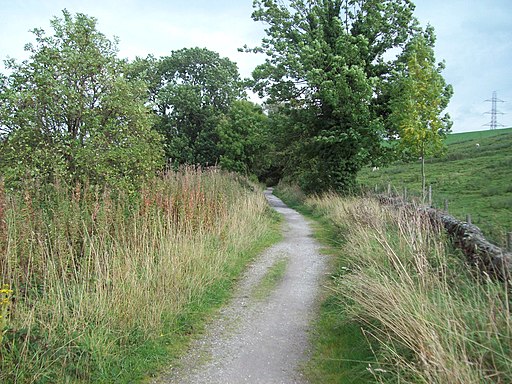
475 179
109 288
401 306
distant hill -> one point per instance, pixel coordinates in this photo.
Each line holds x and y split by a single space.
475 176
465 136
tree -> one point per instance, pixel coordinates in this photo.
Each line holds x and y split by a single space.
244 142
69 111
326 65
197 88
419 96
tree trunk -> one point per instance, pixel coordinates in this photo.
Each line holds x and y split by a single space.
423 178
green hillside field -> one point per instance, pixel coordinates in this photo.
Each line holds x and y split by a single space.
475 176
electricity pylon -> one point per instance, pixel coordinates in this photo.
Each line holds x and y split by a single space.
494 111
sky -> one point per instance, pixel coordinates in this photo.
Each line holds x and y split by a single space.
474 38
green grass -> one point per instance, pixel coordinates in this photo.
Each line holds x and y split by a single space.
474 180
270 280
341 350
112 290
466 136
402 306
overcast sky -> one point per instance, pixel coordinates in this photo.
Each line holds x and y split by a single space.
474 37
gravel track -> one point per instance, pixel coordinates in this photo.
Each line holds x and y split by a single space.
266 341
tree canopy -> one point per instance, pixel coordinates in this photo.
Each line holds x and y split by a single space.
69 112
196 89
244 139
328 69
419 96
347 83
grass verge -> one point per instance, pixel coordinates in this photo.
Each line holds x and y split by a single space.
426 316
109 288
401 305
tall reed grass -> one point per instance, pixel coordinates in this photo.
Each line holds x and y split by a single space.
95 273
430 317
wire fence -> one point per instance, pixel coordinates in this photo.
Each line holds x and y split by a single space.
441 203
466 236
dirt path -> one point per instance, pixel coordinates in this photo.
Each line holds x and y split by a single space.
262 341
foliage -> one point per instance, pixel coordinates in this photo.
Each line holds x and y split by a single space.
109 289
197 96
70 113
243 139
195 90
326 69
419 96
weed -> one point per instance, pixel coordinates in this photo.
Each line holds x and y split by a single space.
5 302
419 310
109 285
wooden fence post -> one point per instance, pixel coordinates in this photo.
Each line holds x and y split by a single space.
405 193
468 218
509 241
389 189
446 205
430 195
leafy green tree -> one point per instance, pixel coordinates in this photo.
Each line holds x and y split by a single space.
69 112
197 88
420 95
326 65
146 70
244 142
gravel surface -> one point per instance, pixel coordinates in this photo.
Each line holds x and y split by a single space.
262 341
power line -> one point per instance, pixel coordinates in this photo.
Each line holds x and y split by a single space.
494 111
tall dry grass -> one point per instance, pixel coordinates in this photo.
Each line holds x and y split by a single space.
434 319
95 273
